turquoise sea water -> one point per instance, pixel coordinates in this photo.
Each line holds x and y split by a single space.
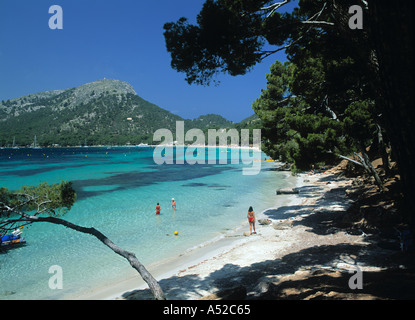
118 189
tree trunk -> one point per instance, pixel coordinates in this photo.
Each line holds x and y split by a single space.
382 149
132 259
365 163
364 158
353 161
391 32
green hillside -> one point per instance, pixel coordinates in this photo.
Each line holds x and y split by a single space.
105 112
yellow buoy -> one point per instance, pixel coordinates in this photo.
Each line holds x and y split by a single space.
176 233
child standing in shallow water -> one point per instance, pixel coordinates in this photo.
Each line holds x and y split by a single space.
251 219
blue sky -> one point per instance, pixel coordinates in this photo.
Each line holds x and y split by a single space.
117 40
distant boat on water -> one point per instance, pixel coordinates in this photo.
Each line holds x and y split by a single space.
14 144
143 145
35 146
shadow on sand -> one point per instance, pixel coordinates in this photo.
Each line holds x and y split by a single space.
321 278
394 283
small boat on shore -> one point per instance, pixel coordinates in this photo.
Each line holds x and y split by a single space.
13 239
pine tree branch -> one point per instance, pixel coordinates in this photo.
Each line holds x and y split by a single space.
318 22
132 259
274 7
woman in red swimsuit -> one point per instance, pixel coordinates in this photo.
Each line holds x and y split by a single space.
251 219
158 208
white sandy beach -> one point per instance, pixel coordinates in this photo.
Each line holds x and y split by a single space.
289 246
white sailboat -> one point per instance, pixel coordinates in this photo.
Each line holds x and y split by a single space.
14 144
35 144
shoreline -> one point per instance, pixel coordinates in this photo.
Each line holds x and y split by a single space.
302 255
257 262
136 146
189 259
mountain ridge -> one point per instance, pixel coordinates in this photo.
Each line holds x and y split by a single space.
102 112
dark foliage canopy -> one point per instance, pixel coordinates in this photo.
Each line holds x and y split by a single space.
345 89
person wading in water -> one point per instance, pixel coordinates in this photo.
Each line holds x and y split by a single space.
251 219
